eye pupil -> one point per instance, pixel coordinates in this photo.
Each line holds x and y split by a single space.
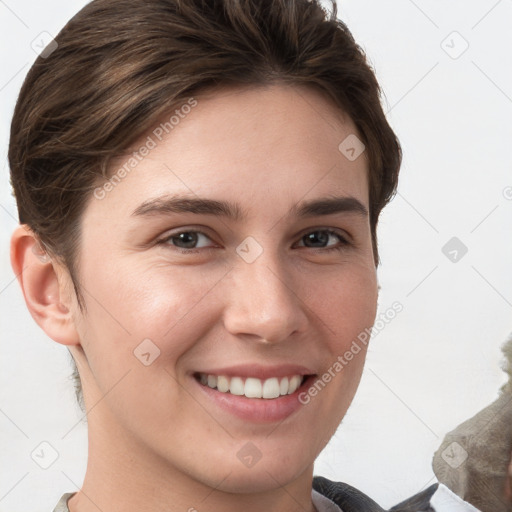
316 236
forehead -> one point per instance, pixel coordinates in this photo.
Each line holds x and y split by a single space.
265 146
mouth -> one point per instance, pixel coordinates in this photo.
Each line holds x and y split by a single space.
252 392
252 387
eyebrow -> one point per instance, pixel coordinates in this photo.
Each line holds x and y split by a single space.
199 205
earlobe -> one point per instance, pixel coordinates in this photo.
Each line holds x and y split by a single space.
43 285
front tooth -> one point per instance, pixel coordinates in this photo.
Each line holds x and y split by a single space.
253 388
283 388
212 381
222 383
271 388
237 386
294 383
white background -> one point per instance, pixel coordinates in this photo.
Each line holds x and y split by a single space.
438 362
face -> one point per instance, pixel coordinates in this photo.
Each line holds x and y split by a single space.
185 302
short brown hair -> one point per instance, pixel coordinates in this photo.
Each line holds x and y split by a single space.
119 65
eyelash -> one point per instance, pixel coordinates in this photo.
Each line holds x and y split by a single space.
343 241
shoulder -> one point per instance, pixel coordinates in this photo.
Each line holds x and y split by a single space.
436 498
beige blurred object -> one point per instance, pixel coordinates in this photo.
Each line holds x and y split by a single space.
474 460
508 490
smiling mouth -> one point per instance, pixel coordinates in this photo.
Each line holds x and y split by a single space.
252 387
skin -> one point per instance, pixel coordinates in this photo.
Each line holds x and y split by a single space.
154 438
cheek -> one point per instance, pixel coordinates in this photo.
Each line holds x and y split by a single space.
346 303
347 309
129 303
162 312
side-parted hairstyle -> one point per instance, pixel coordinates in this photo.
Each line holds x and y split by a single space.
119 65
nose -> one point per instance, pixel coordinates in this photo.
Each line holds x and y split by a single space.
264 302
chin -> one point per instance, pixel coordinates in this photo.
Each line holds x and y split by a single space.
270 472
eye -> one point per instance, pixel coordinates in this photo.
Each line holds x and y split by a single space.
186 240
320 239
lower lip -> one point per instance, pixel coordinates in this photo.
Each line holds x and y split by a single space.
257 410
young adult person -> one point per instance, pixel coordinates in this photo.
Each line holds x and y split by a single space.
199 185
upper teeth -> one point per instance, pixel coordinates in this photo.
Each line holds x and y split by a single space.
252 387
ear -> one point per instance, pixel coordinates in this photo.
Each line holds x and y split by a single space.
45 285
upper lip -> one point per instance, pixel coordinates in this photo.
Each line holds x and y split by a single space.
259 371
